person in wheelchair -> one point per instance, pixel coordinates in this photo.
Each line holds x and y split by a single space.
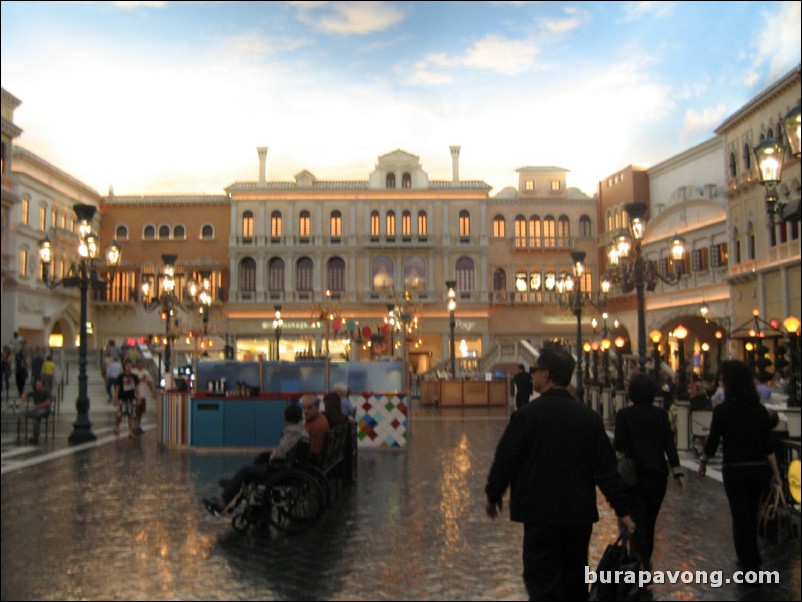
265 464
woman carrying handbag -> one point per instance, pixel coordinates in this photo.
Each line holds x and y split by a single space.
748 456
643 432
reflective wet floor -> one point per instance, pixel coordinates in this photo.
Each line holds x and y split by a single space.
124 520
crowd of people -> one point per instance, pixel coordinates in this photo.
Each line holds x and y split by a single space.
555 451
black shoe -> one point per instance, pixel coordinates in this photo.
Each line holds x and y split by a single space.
212 507
224 483
33 441
139 431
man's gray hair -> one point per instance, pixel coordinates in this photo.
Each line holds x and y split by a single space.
341 389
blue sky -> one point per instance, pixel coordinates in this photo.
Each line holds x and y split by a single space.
174 97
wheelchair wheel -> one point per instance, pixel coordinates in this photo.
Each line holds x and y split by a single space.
241 522
295 501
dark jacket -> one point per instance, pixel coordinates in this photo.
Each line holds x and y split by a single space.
746 433
644 432
523 385
552 455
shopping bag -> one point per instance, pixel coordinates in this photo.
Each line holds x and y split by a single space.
617 557
774 522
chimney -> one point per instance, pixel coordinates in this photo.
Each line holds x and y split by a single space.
455 164
262 150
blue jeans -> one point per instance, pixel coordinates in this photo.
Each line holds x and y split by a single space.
37 415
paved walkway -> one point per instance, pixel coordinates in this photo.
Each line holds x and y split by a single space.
123 519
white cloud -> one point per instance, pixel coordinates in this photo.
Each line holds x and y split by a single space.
143 4
350 17
704 122
636 10
777 43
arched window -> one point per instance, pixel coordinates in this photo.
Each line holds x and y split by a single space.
585 227
383 274
375 224
549 233
737 240
164 232
247 275
275 275
535 232
276 229
179 232
247 224
207 232
406 224
732 165
563 231
390 223
414 273
149 232
464 225
520 232
499 280
335 278
121 233
406 181
423 224
336 227
747 158
305 226
499 227
465 274
390 180
750 235
304 273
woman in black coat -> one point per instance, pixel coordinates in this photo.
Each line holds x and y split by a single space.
643 431
748 456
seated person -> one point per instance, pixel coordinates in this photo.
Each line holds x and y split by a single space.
265 463
333 410
40 398
315 424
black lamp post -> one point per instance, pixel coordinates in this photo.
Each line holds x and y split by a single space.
166 301
631 270
791 324
452 324
769 155
570 296
83 274
680 333
278 323
619 345
656 336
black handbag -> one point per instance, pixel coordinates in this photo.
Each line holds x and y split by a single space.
774 522
617 557
626 465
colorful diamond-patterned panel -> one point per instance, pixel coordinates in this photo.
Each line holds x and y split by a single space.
382 420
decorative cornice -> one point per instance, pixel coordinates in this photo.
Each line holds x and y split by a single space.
22 153
352 185
11 130
175 199
760 100
10 99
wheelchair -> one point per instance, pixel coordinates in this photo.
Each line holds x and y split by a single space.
290 500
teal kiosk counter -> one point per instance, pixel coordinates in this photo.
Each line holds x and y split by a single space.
241 404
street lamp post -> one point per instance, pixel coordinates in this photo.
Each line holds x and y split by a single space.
769 155
83 274
791 324
656 336
680 333
452 324
632 271
278 323
164 299
570 296
619 345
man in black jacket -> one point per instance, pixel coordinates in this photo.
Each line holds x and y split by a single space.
552 454
523 386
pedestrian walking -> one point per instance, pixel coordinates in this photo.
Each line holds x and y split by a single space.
552 454
20 372
49 373
6 373
125 399
748 457
644 433
523 386
144 387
